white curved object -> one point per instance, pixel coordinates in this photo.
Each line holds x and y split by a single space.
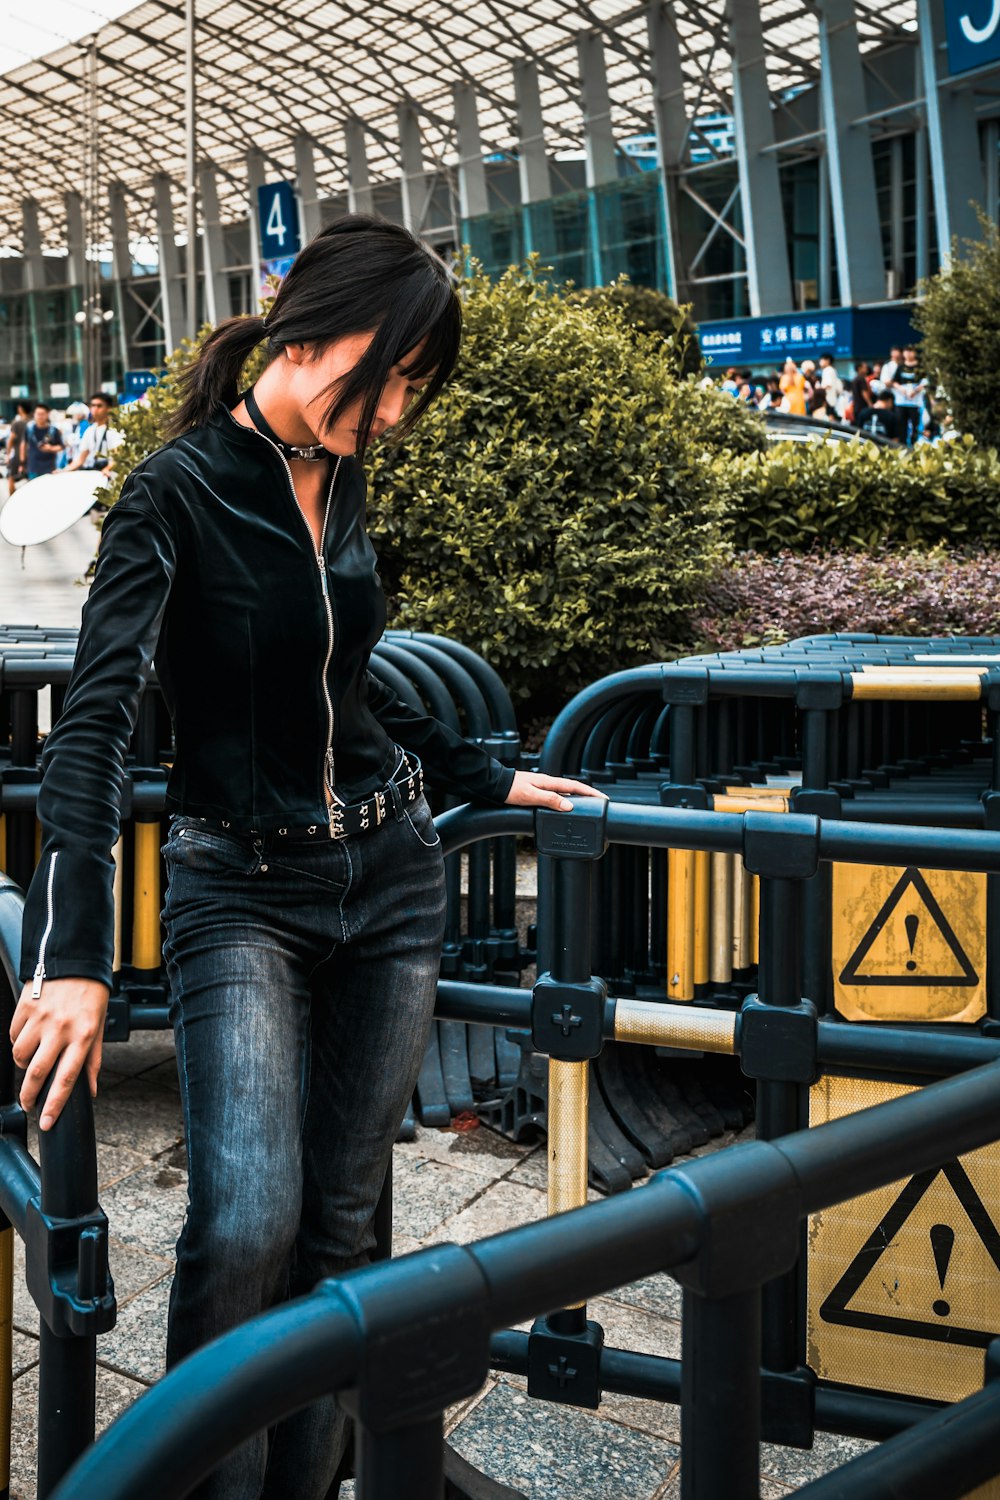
44 507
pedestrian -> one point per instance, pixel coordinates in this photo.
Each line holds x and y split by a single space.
910 389
97 445
15 445
73 431
881 418
793 389
42 443
305 904
831 384
861 394
888 372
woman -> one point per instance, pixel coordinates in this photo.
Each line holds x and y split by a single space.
793 388
305 904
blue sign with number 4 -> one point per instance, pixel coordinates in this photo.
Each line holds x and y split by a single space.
278 213
973 29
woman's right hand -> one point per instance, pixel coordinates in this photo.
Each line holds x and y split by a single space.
61 1031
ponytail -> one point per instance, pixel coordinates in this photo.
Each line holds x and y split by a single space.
215 374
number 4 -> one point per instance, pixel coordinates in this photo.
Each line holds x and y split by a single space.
275 227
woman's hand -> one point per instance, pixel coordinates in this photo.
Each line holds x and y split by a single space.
62 1030
532 789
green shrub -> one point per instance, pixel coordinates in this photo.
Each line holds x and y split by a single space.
959 318
857 494
649 311
555 509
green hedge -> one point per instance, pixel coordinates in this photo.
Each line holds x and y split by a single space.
555 509
856 494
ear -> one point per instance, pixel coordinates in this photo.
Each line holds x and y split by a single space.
296 353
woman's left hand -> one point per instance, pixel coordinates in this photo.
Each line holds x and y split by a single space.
532 789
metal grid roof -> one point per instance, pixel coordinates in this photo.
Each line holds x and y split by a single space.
267 73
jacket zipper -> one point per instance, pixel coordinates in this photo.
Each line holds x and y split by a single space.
329 768
36 987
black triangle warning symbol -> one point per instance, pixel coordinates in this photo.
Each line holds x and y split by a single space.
914 1274
887 955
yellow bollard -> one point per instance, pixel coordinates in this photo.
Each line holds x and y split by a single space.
702 919
569 1094
722 919
146 897
680 924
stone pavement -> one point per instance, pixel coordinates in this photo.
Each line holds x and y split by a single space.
449 1186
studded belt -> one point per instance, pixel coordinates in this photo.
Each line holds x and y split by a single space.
390 801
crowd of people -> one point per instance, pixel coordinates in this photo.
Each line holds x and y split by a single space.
889 398
41 441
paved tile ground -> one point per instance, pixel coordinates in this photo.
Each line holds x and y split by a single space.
448 1187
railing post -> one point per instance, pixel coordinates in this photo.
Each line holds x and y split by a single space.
567 1023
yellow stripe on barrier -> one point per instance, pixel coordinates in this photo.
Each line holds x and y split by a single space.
722 919
6 1350
680 924
750 802
117 855
702 917
741 914
658 1025
146 892
917 684
755 919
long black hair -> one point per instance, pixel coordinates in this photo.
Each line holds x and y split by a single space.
361 274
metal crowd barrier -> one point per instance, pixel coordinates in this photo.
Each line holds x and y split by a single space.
781 1356
740 1229
430 673
52 1204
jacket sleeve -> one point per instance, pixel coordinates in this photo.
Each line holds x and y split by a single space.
69 909
453 762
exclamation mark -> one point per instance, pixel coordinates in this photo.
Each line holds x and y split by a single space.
942 1243
912 923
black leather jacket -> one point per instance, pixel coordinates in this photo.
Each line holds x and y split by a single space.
261 646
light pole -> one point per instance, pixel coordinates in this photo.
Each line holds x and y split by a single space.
190 175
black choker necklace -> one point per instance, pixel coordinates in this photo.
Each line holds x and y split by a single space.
311 454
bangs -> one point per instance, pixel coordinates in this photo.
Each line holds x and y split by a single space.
421 333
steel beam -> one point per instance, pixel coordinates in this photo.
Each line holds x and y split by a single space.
360 198
256 178
171 292
121 264
218 303
34 283
532 160
860 260
76 239
310 216
952 137
598 136
671 125
473 198
414 186
769 281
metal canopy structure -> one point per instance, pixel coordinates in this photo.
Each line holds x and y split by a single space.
266 75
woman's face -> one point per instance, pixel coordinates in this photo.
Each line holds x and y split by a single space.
312 374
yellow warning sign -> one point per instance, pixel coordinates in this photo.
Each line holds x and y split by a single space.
904 1283
908 944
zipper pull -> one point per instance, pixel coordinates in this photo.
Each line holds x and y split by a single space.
324 582
36 987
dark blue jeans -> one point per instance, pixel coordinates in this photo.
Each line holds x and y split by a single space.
302 979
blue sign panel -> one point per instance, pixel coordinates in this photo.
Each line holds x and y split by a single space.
278 214
973 31
844 332
137 381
